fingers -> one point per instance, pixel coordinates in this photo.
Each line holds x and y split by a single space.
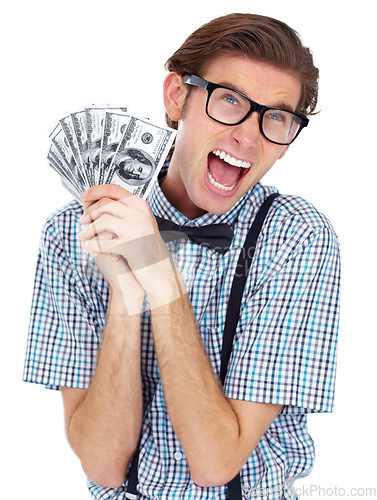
94 207
105 191
105 223
103 206
139 252
138 215
103 236
118 219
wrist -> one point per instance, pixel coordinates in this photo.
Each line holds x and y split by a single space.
161 282
124 305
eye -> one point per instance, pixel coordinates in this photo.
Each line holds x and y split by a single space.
231 99
276 115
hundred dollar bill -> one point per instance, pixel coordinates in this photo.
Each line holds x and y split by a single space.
115 124
140 156
79 127
94 121
66 176
69 130
63 150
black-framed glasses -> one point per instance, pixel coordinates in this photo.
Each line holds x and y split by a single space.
230 107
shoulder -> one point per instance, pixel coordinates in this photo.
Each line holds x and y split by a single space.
297 221
297 210
292 226
288 212
72 211
297 242
63 223
59 232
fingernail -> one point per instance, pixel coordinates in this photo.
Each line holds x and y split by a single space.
83 194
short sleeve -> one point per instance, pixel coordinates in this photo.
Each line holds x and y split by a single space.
68 308
285 350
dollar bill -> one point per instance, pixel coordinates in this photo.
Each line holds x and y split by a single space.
94 122
69 130
79 127
64 152
140 156
115 124
56 163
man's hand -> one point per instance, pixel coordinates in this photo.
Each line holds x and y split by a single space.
125 290
121 225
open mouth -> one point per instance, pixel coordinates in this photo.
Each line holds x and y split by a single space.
225 171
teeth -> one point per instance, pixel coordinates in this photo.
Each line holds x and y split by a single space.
220 186
231 160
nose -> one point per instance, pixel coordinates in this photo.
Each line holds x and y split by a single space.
247 133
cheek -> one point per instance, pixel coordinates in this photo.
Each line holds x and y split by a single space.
183 147
267 159
271 153
190 150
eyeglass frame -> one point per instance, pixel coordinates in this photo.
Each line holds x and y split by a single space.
197 81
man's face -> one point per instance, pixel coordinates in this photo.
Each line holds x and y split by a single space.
199 180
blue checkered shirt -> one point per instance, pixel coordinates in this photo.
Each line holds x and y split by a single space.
284 349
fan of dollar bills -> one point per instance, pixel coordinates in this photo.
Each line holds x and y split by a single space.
106 145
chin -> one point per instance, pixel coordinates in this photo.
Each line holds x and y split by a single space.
218 207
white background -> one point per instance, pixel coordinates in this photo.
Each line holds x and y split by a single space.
59 56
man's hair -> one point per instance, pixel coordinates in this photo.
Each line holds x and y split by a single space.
259 38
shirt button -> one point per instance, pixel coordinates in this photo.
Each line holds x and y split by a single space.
178 456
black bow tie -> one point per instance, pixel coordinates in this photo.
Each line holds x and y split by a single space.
215 236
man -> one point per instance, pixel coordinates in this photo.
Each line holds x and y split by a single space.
238 90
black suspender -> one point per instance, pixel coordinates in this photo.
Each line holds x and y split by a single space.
231 320
234 306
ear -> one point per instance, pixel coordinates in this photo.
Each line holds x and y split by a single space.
174 95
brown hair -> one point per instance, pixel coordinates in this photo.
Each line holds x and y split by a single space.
258 37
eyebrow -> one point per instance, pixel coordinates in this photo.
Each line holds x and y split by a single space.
283 105
280 104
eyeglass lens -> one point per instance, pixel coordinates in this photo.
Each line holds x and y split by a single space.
230 107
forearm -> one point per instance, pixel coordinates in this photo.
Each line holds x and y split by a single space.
104 429
202 417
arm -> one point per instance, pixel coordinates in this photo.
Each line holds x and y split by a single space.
103 422
217 434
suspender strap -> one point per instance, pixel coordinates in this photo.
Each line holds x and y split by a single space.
238 285
232 315
132 492
234 306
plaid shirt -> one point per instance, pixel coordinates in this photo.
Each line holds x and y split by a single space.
284 349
